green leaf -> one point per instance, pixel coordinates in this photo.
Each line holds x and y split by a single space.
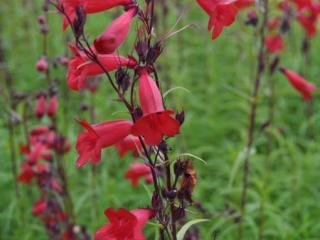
173 89
185 227
192 156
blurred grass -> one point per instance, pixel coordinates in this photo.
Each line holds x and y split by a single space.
218 75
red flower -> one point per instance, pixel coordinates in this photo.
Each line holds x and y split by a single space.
138 170
299 83
40 108
42 168
243 3
308 14
55 185
81 67
124 224
99 136
274 23
53 105
274 43
42 65
115 34
156 122
129 144
222 14
37 152
309 23
89 6
39 207
27 174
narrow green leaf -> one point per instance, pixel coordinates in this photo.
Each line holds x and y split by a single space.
192 156
185 227
173 89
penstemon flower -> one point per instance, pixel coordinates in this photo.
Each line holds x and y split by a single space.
89 6
124 224
129 144
138 170
99 136
299 83
222 13
116 33
156 122
274 43
81 67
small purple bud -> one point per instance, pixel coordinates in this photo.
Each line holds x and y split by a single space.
42 19
142 49
44 29
137 113
123 79
274 64
84 107
154 53
180 117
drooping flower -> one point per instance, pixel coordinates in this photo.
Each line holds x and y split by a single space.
99 136
40 108
42 65
299 83
52 106
89 7
222 13
274 43
129 144
115 33
80 67
156 122
124 224
138 170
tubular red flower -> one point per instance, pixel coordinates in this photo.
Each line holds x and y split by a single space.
138 170
156 122
299 83
129 144
274 43
81 67
115 33
99 136
89 6
40 108
124 224
52 106
222 14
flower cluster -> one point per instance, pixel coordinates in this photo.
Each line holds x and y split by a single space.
43 153
151 124
40 153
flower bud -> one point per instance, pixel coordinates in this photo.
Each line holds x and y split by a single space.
42 65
